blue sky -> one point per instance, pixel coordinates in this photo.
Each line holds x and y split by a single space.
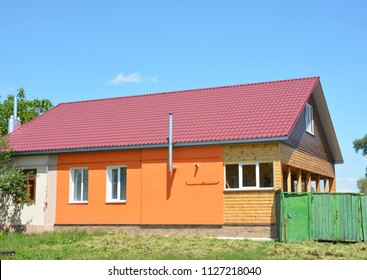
75 50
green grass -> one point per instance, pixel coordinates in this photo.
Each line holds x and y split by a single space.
101 245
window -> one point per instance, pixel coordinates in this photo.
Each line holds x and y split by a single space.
309 119
266 175
30 183
78 185
232 178
249 176
116 184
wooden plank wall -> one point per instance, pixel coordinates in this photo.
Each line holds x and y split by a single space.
304 161
252 207
302 140
266 152
249 208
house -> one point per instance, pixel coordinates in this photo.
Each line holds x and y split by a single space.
106 162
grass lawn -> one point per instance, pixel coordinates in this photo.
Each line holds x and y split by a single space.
83 245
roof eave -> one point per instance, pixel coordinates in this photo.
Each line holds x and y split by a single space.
152 146
327 123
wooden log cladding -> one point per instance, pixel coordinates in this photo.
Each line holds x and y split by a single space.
251 153
249 208
278 175
266 152
304 161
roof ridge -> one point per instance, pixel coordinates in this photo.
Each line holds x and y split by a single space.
186 90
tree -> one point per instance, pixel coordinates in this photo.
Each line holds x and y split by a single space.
27 109
362 185
11 178
361 144
13 193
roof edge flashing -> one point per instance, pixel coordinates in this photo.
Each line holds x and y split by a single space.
152 146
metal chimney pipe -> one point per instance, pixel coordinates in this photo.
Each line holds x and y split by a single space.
11 124
170 142
14 121
15 107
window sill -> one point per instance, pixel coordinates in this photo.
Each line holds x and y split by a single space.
116 202
78 202
249 189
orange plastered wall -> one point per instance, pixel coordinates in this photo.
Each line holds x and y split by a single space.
189 195
97 211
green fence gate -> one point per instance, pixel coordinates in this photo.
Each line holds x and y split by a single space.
321 216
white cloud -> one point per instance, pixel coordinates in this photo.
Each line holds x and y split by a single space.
348 184
153 80
122 78
347 190
351 179
348 179
135 77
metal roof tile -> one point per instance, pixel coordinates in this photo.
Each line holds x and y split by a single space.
248 111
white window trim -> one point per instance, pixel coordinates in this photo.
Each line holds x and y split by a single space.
257 174
240 177
109 198
71 187
309 119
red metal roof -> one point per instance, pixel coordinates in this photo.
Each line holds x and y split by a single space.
239 112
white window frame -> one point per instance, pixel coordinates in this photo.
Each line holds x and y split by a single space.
257 175
240 177
309 119
72 186
109 198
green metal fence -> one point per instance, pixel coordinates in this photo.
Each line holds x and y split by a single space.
364 217
321 216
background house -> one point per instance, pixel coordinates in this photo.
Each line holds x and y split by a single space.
105 162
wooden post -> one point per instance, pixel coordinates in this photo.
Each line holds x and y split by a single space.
318 184
289 179
308 182
326 184
299 180
332 185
